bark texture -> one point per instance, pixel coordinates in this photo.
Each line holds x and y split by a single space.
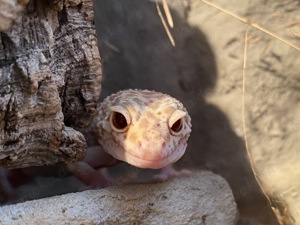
50 82
10 11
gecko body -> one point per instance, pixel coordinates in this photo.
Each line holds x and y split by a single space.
146 129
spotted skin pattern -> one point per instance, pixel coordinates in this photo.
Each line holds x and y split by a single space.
148 141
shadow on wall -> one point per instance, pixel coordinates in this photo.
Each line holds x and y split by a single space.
137 54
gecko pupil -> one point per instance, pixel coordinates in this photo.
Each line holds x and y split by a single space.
177 126
119 121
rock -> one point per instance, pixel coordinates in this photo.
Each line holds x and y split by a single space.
201 198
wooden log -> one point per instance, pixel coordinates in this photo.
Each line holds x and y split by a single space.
50 82
10 12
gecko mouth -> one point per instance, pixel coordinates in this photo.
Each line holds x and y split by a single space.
153 164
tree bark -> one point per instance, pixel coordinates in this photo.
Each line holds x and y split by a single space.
10 12
50 82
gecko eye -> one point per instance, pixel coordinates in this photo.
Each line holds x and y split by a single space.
118 122
177 127
176 122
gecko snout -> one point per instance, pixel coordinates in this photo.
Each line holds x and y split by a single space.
152 151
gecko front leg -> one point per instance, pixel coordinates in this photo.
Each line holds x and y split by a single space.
169 172
91 171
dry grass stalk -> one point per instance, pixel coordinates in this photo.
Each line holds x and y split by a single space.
168 13
252 24
164 22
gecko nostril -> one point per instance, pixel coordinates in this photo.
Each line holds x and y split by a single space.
139 145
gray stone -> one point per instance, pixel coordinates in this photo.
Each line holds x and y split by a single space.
201 198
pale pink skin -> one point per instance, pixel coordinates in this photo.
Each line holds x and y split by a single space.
147 142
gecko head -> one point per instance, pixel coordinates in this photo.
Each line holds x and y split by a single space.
144 128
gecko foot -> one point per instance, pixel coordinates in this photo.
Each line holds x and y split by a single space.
100 179
169 172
